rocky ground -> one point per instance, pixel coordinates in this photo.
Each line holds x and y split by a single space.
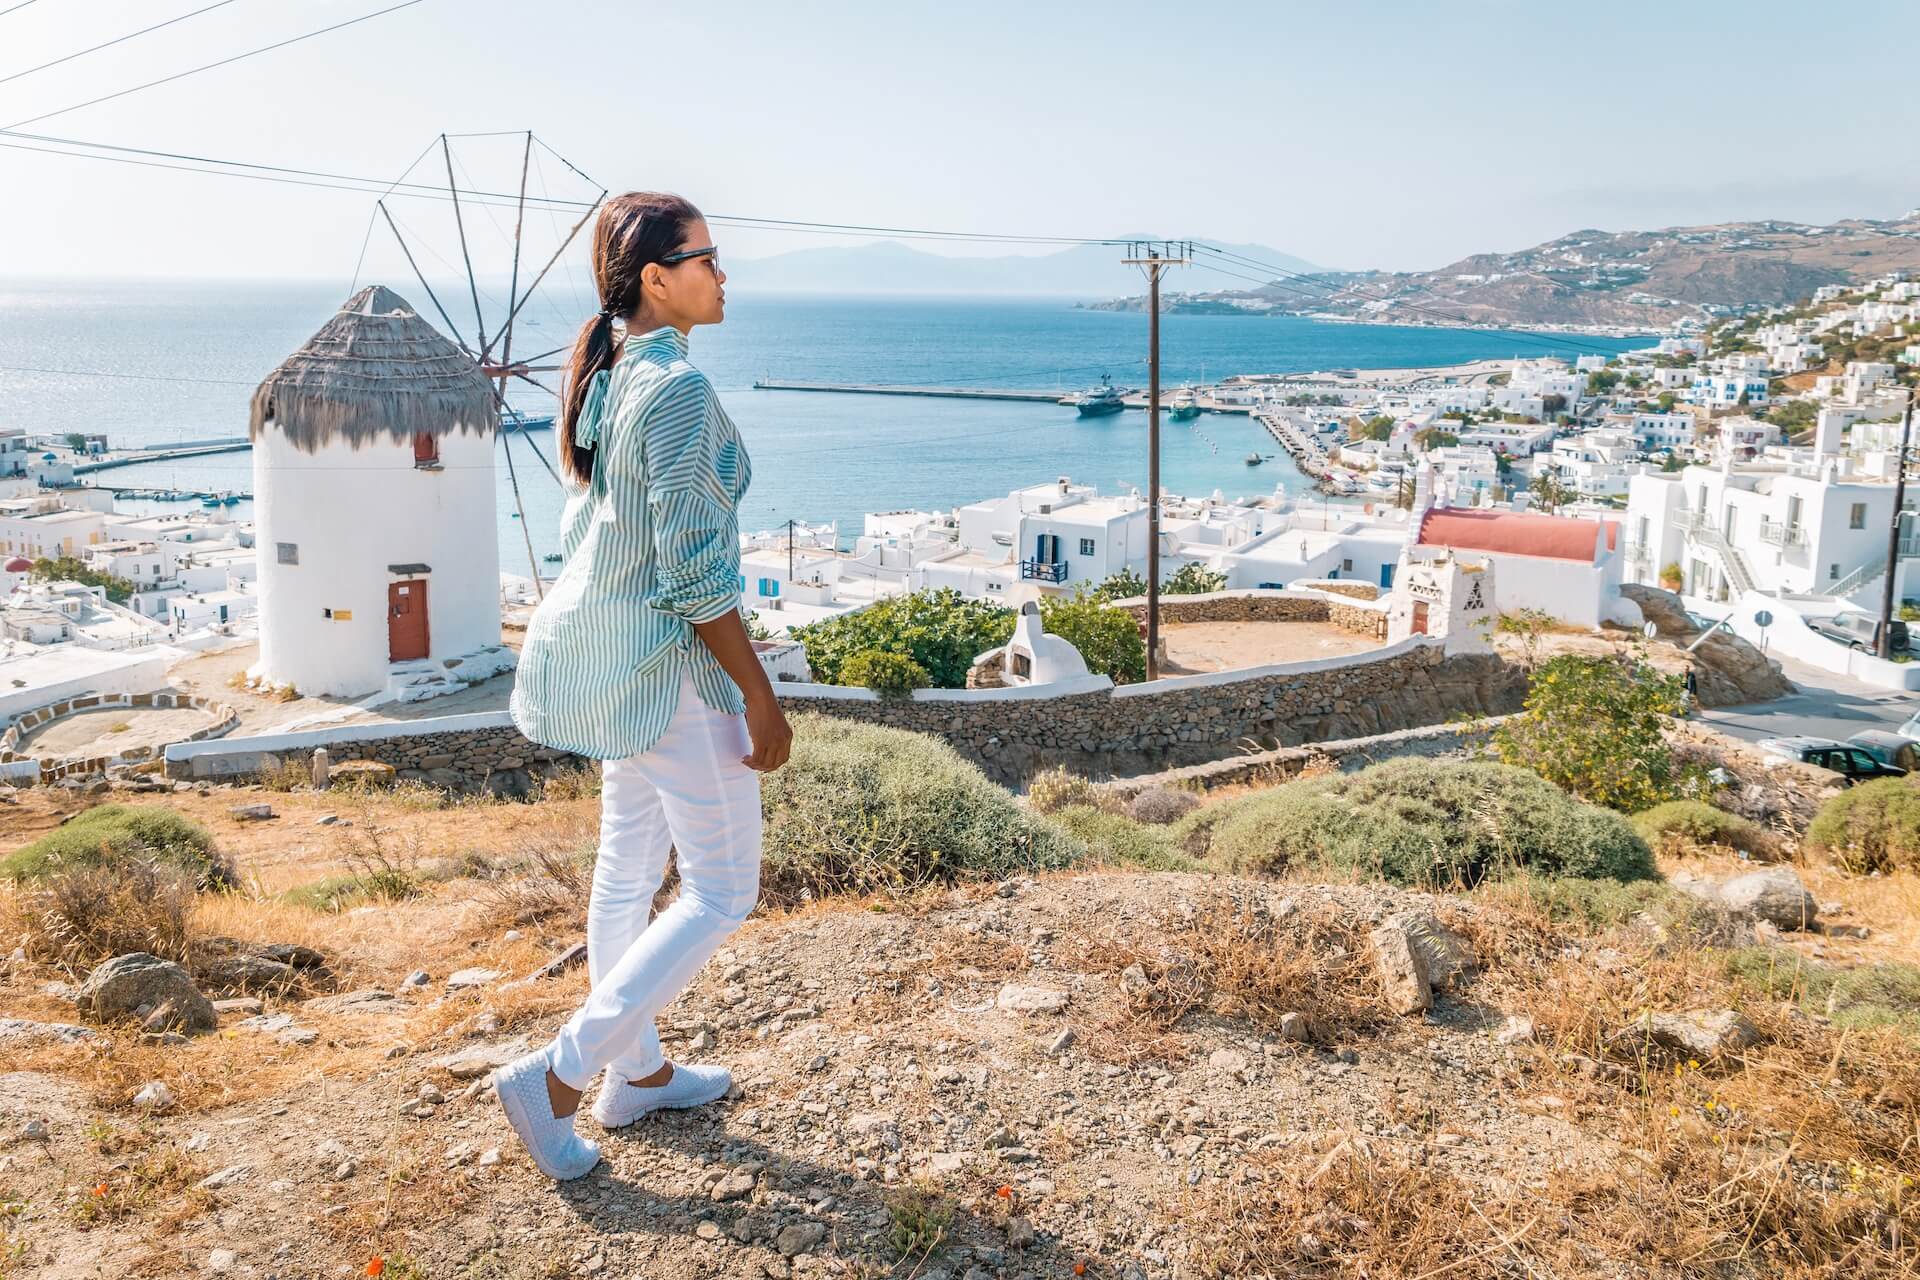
1108 1074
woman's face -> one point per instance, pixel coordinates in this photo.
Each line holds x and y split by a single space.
691 290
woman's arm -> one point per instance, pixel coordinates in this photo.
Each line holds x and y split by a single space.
726 638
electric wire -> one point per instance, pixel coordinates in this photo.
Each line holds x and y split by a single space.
218 4
227 61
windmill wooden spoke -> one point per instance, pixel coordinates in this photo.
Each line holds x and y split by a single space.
453 330
460 224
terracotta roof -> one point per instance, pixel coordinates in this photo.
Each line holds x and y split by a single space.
1514 533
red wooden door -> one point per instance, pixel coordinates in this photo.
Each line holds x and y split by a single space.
406 620
1419 617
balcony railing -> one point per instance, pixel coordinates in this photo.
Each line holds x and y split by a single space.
1781 534
1043 571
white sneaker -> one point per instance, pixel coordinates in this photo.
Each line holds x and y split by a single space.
620 1103
557 1150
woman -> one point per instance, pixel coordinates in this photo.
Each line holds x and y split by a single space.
639 657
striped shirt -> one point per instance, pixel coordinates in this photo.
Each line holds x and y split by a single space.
652 545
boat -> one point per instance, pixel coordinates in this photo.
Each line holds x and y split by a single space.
542 423
1185 405
1098 401
231 500
552 557
1254 459
210 501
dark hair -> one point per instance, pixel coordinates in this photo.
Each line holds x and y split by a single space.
634 231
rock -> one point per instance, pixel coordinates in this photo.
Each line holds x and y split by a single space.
24 1030
1062 1042
708 1231
1293 1028
1228 1061
122 985
735 1186
247 973
1775 895
799 1238
1020 1232
512 935
1853 931
482 1059
489 1158
154 1096
326 820
947 1162
251 812
292 953
36 1131
430 1093
1016 998
1443 953
223 1177
703 1041
330 1154
572 958
356 1002
1699 1033
364 772
1403 974
468 979
1515 1030
418 978
245 1006
222 1260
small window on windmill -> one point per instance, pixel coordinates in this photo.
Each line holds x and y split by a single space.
289 552
426 449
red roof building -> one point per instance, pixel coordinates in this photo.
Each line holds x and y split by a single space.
1518 533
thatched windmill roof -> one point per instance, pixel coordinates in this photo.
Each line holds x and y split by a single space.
375 369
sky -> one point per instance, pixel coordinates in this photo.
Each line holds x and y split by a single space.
1399 136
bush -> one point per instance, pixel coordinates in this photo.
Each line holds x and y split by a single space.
860 808
1874 826
78 914
1873 995
111 836
1694 822
1124 585
1114 839
1055 789
888 673
1597 727
1107 638
1426 823
1161 806
940 630
1195 579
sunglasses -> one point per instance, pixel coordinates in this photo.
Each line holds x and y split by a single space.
711 253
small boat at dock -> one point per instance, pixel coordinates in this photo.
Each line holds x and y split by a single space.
1099 401
1185 405
1254 459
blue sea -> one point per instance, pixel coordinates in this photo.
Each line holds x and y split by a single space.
162 362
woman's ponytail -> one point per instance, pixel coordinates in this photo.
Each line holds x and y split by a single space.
633 231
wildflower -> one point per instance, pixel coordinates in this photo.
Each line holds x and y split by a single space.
1673 1111
1079 1268
1004 1192
1692 1065
100 1190
376 1265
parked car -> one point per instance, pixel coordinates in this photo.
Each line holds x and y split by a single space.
1860 631
1888 747
1855 763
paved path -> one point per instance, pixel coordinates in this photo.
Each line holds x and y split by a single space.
1827 706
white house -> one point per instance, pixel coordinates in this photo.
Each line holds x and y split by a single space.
373 473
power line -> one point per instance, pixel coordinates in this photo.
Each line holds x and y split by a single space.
15 8
116 40
181 75
144 377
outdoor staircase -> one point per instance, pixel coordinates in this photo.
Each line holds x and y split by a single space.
1863 576
1738 575
419 680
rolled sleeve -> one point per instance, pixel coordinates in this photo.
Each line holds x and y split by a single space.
696 543
698 556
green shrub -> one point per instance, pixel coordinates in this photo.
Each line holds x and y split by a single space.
1107 638
1114 839
1194 579
1427 823
1874 826
1874 995
1595 904
1160 806
894 674
860 808
1597 727
941 630
115 835
1124 585
1696 822
1054 789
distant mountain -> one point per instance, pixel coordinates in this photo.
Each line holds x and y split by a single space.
1086 271
1598 279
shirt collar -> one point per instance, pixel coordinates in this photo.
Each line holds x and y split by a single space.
665 338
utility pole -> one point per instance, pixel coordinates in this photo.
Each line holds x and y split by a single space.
1885 646
1154 257
789 549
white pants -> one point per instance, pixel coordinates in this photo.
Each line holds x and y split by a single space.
688 793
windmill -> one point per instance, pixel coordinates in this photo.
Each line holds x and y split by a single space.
491 345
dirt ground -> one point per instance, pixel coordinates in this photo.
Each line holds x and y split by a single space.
113 729
1226 646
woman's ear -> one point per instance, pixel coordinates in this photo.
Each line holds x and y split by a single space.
652 278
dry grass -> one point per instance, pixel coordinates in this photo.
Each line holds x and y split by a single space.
75 919
1235 959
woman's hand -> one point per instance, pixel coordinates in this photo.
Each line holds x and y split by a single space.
771 735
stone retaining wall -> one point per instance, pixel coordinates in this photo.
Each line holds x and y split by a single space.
1086 725
1347 754
1232 606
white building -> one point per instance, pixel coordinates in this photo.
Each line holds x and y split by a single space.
373 474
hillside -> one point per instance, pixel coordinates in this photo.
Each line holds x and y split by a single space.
1601 279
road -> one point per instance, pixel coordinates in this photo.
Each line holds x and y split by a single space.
1827 706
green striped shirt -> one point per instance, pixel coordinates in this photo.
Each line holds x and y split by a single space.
652 545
